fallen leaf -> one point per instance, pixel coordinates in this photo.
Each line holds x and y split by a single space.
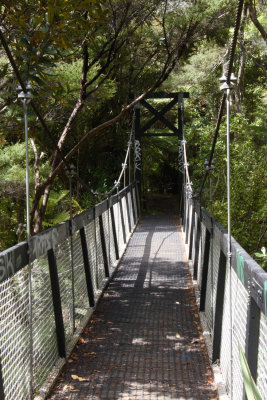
80 379
66 387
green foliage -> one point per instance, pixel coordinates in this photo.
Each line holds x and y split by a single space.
252 391
128 44
57 208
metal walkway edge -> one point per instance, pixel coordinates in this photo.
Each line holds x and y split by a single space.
144 341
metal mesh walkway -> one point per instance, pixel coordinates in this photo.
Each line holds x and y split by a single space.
144 340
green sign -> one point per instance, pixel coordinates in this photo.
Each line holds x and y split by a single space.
240 267
265 298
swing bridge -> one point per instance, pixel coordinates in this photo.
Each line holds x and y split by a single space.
120 305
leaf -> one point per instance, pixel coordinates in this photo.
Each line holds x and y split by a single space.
80 379
252 391
51 13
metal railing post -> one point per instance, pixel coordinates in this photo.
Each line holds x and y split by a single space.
205 269
114 233
70 173
61 342
2 393
87 270
122 220
103 245
218 317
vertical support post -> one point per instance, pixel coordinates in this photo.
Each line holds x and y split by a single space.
192 232
70 172
252 337
26 97
197 244
72 259
114 233
205 269
87 269
96 248
229 243
217 331
103 245
137 149
57 303
122 220
187 220
128 212
181 152
227 84
2 393
133 206
138 200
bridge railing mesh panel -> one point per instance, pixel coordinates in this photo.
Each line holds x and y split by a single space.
125 217
239 307
64 269
248 308
201 252
80 288
130 209
119 228
100 273
262 356
112 252
45 352
14 336
212 282
135 200
91 246
63 257
194 227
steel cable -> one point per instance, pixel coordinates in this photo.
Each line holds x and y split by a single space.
228 75
36 111
124 165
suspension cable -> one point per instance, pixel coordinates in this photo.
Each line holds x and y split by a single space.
188 183
36 111
228 75
124 165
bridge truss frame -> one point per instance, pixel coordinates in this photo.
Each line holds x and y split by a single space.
141 132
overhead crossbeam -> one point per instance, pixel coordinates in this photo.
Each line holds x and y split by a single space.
159 116
141 131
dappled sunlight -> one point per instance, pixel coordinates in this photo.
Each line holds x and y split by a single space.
144 340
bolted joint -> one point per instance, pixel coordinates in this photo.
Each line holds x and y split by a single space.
70 170
25 96
209 167
225 85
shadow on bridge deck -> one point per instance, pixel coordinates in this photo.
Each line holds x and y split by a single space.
144 341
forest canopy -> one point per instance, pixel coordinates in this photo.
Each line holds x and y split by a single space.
85 59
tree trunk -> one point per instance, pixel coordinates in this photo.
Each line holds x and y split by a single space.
254 19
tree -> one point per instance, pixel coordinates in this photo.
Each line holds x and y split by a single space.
136 42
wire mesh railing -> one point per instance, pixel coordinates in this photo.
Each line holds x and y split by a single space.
207 250
69 268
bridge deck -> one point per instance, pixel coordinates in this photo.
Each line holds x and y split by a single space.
144 340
